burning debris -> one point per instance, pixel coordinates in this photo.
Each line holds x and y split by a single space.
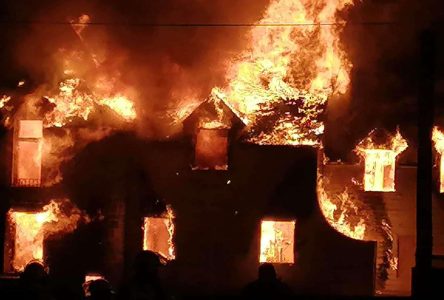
438 140
379 150
158 233
26 231
277 241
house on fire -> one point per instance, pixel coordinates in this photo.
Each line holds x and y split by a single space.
215 207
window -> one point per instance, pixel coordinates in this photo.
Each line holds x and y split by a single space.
158 236
211 149
379 170
277 241
27 161
24 239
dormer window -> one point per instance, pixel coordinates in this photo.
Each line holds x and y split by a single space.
379 170
27 153
379 151
211 124
211 150
277 242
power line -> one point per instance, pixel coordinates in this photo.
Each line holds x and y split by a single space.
147 24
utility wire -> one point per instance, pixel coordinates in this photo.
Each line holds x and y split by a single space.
146 24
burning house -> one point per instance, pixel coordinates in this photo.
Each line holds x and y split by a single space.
242 179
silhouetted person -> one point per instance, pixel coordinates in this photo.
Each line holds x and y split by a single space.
34 283
267 286
145 283
100 290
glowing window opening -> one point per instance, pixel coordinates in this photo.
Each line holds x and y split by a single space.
27 153
158 233
277 242
25 239
211 149
380 167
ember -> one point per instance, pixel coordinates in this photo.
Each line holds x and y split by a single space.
277 241
158 234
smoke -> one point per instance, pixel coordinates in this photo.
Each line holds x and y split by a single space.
385 72
160 67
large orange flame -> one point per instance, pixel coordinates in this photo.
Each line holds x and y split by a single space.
158 233
32 228
296 66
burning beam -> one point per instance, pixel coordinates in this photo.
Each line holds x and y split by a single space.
277 241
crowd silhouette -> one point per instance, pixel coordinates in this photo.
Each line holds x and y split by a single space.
143 284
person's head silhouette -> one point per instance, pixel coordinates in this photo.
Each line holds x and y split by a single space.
267 273
146 265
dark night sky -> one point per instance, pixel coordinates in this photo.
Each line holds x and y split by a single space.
162 63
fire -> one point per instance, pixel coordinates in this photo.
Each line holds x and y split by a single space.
74 101
380 158
277 241
339 210
3 100
30 229
27 157
120 105
71 102
158 233
283 81
438 140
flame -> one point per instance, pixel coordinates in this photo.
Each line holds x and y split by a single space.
282 82
438 140
338 212
3 100
277 241
154 237
380 158
32 228
121 105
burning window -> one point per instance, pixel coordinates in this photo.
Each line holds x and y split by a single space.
379 170
27 157
277 242
379 152
211 149
158 234
438 139
25 237
26 232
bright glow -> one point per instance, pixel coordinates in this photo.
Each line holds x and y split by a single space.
282 82
211 149
277 242
28 231
339 211
380 158
27 163
120 105
158 234
379 170
438 140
